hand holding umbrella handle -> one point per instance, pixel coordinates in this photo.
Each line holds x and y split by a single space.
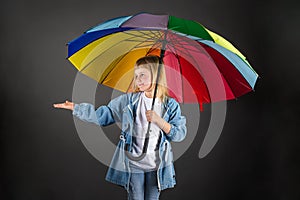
153 117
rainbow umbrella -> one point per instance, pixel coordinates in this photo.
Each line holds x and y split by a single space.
193 55
201 66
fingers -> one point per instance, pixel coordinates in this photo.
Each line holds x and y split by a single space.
59 105
149 113
151 116
66 105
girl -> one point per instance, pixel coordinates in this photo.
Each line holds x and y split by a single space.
143 179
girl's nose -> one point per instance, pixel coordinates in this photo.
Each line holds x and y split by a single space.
138 79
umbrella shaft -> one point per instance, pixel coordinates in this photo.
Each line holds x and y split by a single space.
146 142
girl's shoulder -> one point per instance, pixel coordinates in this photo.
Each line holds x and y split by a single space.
129 98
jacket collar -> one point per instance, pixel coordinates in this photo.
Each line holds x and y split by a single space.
135 98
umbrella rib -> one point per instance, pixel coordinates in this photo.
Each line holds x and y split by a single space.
129 86
112 68
178 42
196 45
177 56
157 34
198 67
182 88
154 46
184 52
123 57
143 35
143 46
174 52
106 51
229 83
117 63
156 38
136 35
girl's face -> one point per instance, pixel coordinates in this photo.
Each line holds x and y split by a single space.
143 79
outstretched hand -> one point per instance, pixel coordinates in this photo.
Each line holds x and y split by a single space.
67 105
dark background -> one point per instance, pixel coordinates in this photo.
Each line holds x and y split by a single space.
42 157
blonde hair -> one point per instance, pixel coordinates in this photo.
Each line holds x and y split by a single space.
152 64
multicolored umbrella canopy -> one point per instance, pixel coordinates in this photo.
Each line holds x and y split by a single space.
201 66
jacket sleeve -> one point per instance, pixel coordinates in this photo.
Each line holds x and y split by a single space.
177 121
104 115
86 112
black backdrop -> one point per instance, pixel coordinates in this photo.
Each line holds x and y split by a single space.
42 156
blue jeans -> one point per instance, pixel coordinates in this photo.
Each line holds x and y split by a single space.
143 185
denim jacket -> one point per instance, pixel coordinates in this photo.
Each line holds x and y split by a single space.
122 109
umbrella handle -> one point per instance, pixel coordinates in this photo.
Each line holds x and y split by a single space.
145 147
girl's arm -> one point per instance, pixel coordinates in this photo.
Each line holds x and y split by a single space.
178 123
175 127
86 112
104 115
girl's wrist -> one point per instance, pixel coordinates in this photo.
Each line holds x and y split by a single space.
163 125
